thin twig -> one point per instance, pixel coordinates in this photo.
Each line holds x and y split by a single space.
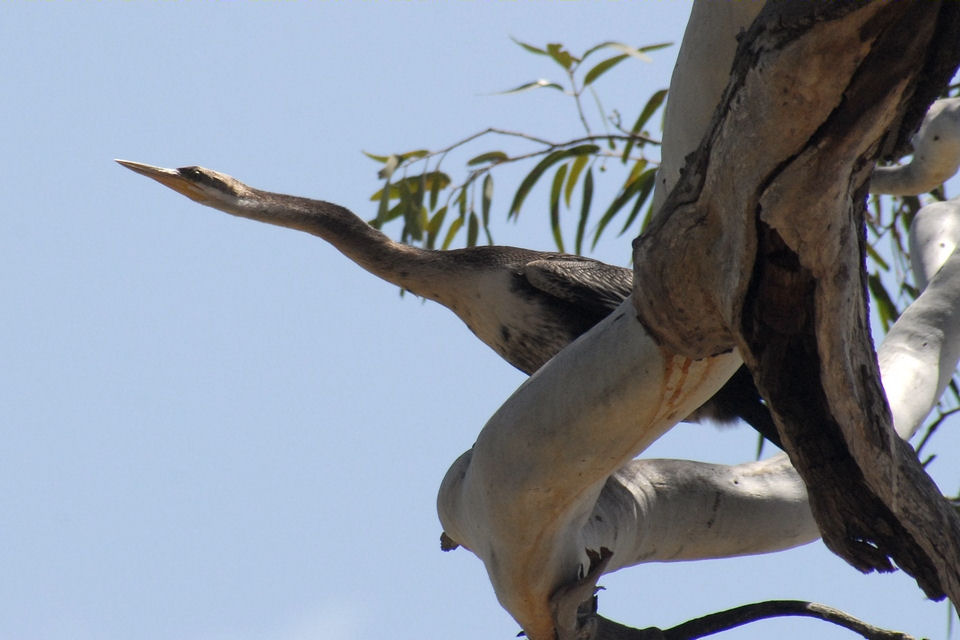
723 620
576 99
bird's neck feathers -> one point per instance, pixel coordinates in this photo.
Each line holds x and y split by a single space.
409 267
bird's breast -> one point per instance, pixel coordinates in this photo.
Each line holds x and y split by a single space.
522 324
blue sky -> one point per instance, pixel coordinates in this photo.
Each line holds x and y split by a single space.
219 430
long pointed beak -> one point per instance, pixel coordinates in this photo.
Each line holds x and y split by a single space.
171 178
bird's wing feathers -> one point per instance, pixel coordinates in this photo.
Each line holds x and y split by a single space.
581 281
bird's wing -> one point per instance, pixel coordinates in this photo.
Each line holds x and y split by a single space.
586 283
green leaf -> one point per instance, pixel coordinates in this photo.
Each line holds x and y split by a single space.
411 212
655 47
433 179
530 47
473 229
452 233
631 51
555 206
584 209
536 84
602 68
389 216
622 48
638 168
423 220
552 158
884 304
575 168
419 153
910 290
434 226
383 206
435 191
486 197
648 216
626 194
462 204
647 181
490 156
561 56
420 190
876 257
380 159
648 110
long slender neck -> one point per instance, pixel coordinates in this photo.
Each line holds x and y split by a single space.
409 267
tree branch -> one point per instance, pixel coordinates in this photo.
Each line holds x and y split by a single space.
777 193
535 493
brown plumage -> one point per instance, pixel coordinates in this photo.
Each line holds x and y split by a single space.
527 305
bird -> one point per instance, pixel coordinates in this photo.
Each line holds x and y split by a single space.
527 305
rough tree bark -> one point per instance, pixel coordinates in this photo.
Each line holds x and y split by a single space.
765 225
768 221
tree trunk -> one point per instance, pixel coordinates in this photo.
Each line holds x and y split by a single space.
757 251
767 220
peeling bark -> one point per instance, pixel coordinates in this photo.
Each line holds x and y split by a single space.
767 221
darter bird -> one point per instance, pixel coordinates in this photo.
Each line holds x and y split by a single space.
527 305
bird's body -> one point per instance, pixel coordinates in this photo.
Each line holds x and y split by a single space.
527 305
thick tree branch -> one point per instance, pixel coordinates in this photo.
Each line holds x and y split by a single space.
536 492
776 198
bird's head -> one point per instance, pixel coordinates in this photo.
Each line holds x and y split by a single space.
205 186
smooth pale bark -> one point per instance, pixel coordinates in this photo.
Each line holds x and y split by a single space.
521 498
698 81
936 154
654 510
767 222
934 236
919 355
541 486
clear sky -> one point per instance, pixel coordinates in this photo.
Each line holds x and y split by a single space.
218 430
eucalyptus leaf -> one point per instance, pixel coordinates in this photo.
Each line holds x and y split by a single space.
647 180
435 192
486 197
552 158
419 153
882 301
631 51
655 47
584 209
384 204
626 194
561 56
648 110
555 190
473 230
602 68
653 103
576 168
434 226
536 84
530 47
876 257
490 156
452 233
622 48
380 159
